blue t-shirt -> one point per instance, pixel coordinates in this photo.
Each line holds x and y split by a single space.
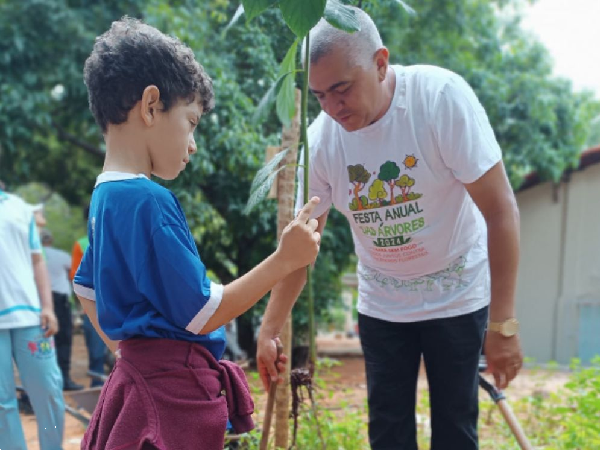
142 266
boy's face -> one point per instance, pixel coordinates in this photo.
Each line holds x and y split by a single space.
172 141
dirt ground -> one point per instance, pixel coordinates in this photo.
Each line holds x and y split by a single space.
346 381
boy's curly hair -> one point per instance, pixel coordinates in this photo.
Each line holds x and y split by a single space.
132 56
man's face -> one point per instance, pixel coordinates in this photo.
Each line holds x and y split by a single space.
173 139
347 93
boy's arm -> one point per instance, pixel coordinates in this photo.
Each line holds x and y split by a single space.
299 247
283 298
89 306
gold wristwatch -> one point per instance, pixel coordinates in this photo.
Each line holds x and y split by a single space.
508 328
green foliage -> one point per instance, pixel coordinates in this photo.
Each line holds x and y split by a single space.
565 418
342 426
302 16
580 427
594 137
67 223
286 97
264 179
46 131
340 16
253 8
49 136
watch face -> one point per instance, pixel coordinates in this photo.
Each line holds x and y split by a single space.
510 327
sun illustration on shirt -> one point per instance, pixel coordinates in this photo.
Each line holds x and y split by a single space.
410 161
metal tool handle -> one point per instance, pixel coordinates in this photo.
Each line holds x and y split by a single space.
510 418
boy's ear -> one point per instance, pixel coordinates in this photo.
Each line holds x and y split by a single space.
150 104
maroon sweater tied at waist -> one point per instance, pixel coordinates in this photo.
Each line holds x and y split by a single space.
169 395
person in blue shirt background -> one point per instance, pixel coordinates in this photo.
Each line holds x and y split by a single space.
141 280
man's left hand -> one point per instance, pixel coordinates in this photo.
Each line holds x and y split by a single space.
504 357
48 322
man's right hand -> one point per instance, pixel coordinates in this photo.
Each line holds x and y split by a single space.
269 367
299 245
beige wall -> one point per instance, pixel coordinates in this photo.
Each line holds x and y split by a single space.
560 263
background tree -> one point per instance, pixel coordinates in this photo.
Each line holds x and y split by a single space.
48 135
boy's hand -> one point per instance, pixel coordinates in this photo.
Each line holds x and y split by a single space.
300 241
269 367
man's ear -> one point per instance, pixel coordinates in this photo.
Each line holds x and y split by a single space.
382 57
150 104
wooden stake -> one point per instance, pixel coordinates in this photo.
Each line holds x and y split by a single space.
286 194
264 440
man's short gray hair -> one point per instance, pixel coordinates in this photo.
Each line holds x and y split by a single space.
360 46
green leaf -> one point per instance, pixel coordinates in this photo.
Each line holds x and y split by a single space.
286 96
341 16
234 19
302 15
407 8
286 100
259 194
253 8
263 174
261 185
265 102
289 61
287 72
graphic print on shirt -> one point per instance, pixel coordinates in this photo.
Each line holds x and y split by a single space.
385 206
447 279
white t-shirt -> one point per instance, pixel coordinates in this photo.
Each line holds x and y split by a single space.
59 265
19 239
420 239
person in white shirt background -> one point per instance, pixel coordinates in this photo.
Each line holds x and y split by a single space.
27 327
59 265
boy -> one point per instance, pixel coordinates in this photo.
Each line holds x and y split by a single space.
142 268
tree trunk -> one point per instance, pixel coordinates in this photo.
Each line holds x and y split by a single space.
357 188
286 192
392 200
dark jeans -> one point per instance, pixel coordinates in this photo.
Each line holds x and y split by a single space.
451 348
96 349
63 340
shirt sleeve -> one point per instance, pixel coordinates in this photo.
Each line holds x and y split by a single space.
175 281
34 237
83 282
465 137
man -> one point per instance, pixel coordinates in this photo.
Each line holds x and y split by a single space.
27 324
407 154
59 265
